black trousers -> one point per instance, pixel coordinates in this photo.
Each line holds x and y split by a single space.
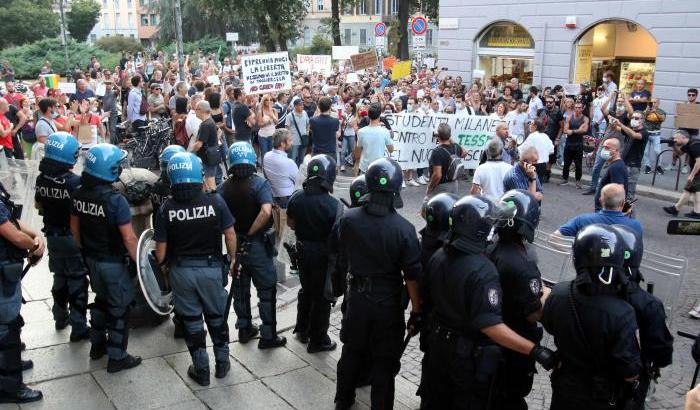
575 156
541 170
313 310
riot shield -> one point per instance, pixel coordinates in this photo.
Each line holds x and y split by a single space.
153 283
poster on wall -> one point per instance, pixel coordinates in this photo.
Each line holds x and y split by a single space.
264 73
584 60
414 136
314 63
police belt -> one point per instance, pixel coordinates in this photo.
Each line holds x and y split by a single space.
51 231
366 284
199 261
100 257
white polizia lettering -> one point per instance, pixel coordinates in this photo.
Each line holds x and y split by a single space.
198 212
57 193
89 208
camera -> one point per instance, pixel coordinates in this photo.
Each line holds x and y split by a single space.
668 141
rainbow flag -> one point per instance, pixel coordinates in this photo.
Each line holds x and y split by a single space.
52 80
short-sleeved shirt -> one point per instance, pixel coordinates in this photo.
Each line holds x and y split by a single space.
441 156
373 141
302 123
225 219
241 112
553 118
635 149
616 173
323 129
208 133
636 95
516 178
605 216
117 210
693 150
80 96
44 127
489 176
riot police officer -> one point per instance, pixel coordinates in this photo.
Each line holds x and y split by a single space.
437 215
249 198
463 296
16 242
159 194
188 239
376 244
101 224
521 283
54 188
655 339
312 213
594 329
358 189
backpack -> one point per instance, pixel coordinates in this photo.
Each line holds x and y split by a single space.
181 137
456 168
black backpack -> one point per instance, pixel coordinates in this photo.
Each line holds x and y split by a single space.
456 168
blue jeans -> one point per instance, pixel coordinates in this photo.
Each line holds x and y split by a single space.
297 154
348 148
265 146
652 149
112 126
597 168
561 148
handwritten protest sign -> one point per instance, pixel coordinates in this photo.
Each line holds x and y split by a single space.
264 73
401 69
314 63
572 89
364 60
414 138
67 88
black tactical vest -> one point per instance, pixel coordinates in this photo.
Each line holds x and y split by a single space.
53 193
8 251
240 199
159 194
99 234
194 227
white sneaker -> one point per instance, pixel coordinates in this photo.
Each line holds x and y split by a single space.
412 182
695 312
685 170
423 180
670 168
403 184
342 168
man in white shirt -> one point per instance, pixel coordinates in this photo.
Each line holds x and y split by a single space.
488 177
279 169
541 142
516 120
596 112
610 86
535 103
192 122
373 140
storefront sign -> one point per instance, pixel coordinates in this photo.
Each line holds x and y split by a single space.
583 63
414 138
264 73
314 63
508 42
506 35
364 60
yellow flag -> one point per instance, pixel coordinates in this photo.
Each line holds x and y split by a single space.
401 69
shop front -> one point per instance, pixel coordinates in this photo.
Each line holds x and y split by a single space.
506 50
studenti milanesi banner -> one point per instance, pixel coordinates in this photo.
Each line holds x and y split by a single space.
415 136
266 73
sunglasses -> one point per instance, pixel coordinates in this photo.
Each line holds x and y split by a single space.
692 95
549 102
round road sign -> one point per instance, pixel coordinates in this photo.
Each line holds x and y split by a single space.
379 29
419 25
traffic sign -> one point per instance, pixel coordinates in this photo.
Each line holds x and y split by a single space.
379 29
380 42
233 37
419 25
419 43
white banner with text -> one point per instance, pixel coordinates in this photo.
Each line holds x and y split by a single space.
266 73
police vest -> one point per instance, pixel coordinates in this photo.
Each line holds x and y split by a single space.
8 251
99 234
159 194
53 193
240 199
193 227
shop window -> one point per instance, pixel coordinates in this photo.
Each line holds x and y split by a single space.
505 50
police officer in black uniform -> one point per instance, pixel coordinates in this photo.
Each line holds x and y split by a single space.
358 189
521 283
17 241
249 198
188 239
594 329
462 296
655 339
312 212
101 224
376 244
54 188
159 194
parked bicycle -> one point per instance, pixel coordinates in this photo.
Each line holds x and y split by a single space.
144 144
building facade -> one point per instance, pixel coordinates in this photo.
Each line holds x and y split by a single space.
547 42
128 18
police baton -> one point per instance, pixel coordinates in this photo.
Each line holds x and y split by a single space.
345 203
33 260
697 365
236 269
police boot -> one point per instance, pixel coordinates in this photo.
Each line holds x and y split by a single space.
77 336
128 362
23 395
62 323
97 350
244 335
277 341
325 346
200 376
222 369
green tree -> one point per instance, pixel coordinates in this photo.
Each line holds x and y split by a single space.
26 21
82 17
404 10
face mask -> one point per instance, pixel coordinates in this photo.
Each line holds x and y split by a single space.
606 79
409 107
634 123
620 107
605 154
54 114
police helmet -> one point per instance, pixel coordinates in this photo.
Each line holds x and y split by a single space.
598 246
527 215
632 244
62 147
358 189
104 161
241 153
437 212
185 168
322 167
473 217
165 156
384 175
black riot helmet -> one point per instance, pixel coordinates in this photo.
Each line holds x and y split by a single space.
384 175
358 189
633 246
527 215
322 168
471 220
598 250
437 214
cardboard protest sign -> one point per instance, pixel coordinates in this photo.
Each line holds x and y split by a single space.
572 89
414 136
214 80
388 62
344 52
264 73
314 63
401 69
364 60
687 116
67 88
352 78
101 89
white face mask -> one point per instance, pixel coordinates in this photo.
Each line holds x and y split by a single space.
634 123
409 107
605 154
606 79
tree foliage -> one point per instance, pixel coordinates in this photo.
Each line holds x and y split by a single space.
81 18
25 21
320 45
119 44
